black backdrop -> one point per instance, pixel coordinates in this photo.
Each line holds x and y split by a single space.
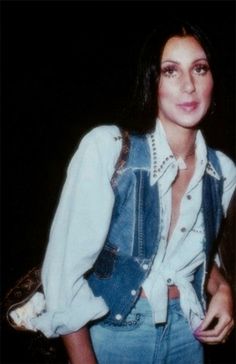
66 67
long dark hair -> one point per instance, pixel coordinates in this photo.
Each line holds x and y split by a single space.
140 115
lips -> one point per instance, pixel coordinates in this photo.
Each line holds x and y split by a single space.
188 106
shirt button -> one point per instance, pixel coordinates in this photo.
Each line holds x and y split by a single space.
145 266
183 229
169 281
118 317
189 197
133 292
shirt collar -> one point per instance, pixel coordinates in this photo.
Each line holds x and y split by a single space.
162 156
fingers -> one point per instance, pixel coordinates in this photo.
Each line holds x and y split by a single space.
218 334
224 323
214 339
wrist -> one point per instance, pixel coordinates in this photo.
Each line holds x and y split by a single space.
224 287
217 282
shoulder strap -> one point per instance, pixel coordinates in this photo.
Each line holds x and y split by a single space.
124 153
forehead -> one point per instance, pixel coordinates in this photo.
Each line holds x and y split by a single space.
179 48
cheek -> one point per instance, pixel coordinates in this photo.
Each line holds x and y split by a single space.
164 90
207 97
207 90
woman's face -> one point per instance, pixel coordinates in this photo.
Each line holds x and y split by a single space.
186 83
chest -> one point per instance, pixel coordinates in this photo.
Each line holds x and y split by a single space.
178 191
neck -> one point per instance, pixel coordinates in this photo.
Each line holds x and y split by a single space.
181 140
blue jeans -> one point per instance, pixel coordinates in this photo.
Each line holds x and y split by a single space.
139 341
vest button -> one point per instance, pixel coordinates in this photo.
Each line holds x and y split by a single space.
145 266
133 292
189 197
118 317
183 229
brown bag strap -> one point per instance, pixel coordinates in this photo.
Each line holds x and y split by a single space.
21 293
124 153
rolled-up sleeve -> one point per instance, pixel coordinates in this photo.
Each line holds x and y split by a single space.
77 235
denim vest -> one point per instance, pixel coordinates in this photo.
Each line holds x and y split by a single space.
133 238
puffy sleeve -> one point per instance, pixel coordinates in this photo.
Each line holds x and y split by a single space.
77 235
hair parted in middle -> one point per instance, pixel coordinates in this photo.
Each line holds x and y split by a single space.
141 113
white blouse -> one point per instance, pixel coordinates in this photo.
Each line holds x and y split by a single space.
81 224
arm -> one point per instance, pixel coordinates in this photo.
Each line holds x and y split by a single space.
218 322
227 244
79 347
77 235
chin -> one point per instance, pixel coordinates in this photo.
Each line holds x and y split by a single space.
189 121
190 124
184 119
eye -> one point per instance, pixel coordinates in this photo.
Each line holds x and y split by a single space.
201 69
169 71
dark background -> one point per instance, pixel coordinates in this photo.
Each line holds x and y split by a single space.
66 67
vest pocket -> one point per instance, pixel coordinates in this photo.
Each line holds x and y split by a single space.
103 267
132 322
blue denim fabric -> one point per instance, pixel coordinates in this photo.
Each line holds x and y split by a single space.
133 239
138 340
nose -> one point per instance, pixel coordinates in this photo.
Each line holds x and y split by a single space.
188 84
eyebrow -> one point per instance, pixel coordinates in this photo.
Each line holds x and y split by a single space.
175 62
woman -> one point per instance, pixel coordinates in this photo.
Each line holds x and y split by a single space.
139 297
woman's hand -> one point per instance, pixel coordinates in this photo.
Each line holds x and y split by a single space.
218 322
